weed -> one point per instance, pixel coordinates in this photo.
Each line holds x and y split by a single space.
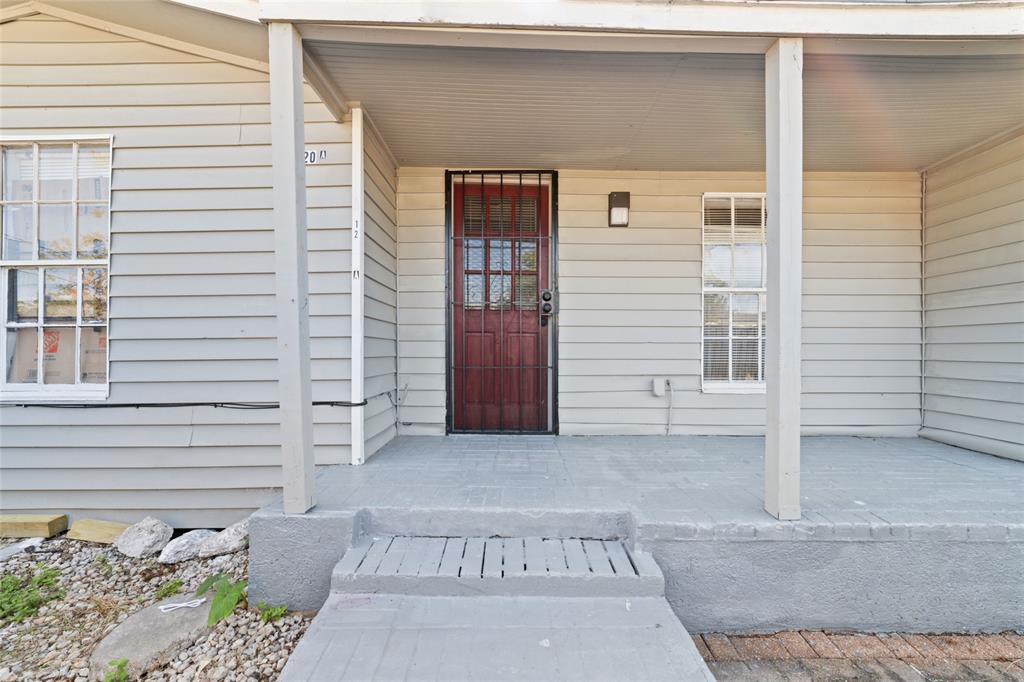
227 595
268 613
21 597
103 564
169 588
118 671
104 605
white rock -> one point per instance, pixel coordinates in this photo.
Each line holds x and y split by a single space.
146 537
28 545
184 547
232 539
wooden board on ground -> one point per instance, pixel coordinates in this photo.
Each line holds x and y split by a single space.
32 525
95 530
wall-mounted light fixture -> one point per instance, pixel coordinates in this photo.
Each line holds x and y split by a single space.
618 209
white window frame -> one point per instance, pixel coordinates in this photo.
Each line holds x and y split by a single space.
730 385
40 392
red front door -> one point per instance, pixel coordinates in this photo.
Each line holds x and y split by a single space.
500 328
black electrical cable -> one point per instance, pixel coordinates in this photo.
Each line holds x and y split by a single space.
225 405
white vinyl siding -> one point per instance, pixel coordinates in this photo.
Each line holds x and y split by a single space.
974 299
630 304
381 293
421 302
192 279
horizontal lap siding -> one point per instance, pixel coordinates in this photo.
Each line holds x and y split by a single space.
421 314
630 304
974 299
192 279
381 296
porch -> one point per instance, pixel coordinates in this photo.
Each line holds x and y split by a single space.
898 533
834 133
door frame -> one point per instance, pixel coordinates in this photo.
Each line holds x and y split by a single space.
449 417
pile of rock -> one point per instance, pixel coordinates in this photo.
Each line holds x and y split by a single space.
152 536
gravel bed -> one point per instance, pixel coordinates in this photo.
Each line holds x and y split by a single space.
102 588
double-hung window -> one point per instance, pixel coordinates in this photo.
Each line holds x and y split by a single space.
734 262
54 262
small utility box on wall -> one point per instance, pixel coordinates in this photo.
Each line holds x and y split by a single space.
618 209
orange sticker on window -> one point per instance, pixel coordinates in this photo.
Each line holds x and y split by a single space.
51 342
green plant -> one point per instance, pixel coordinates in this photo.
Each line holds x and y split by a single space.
169 588
103 564
268 613
227 595
118 671
22 596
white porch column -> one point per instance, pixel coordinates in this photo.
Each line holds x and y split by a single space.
784 175
358 261
295 387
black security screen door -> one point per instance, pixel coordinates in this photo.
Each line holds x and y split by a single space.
501 303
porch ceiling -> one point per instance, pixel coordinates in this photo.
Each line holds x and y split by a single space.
491 107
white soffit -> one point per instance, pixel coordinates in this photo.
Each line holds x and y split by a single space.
484 107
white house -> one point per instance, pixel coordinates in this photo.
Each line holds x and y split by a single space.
358 220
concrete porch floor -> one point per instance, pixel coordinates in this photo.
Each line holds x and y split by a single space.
683 479
897 534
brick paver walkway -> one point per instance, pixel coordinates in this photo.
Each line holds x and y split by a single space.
810 656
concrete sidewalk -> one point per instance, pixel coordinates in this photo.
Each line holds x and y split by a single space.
402 637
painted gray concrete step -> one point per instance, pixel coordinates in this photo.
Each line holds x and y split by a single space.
414 638
499 566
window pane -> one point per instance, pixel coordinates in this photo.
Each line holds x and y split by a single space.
55 172
92 230
526 214
527 255
18 231
717 265
501 255
500 292
56 231
716 314
472 213
59 301
716 359
718 214
94 294
473 291
22 353
17 174
473 254
59 355
93 172
744 315
748 265
526 292
501 214
744 360
748 219
93 364
23 295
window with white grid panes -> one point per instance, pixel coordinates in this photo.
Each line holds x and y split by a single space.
54 267
734 261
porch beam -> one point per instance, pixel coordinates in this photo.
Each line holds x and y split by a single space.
356 382
294 381
784 180
596 41
831 19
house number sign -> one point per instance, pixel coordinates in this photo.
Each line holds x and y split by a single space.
314 156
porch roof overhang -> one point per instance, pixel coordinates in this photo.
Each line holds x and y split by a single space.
671 103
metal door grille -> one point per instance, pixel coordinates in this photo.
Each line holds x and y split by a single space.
500 343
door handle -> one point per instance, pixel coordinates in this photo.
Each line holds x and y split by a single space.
547 306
